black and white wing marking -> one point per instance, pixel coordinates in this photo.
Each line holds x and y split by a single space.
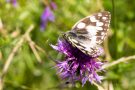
88 33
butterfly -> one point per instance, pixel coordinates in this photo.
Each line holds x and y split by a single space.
88 33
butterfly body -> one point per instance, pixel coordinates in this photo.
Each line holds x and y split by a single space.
88 33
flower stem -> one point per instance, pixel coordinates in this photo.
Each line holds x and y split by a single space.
123 59
11 55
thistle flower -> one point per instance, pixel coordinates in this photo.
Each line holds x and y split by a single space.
77 66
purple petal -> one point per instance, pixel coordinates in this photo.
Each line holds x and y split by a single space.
13 2
84 80
77 65
54 6
55 47
43 25
47 15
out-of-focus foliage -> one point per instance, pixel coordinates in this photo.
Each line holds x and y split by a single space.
25 73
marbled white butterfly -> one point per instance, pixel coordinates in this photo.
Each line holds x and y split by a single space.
88 33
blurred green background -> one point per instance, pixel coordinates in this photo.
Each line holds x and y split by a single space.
27 73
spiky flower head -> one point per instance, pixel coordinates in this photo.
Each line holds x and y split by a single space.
77 66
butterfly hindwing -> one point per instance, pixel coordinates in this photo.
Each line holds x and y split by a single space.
88 33
82 43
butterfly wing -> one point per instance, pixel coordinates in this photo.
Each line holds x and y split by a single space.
83 44
88 33
94 27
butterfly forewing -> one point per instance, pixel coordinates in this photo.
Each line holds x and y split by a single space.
88 33
94 25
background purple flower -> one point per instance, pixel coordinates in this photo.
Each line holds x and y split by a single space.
77 65
13 2
53 5
46 16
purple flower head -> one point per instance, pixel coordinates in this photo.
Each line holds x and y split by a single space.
13 2
53 5
46 16
77 66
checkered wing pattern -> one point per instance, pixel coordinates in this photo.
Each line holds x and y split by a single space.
88 33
